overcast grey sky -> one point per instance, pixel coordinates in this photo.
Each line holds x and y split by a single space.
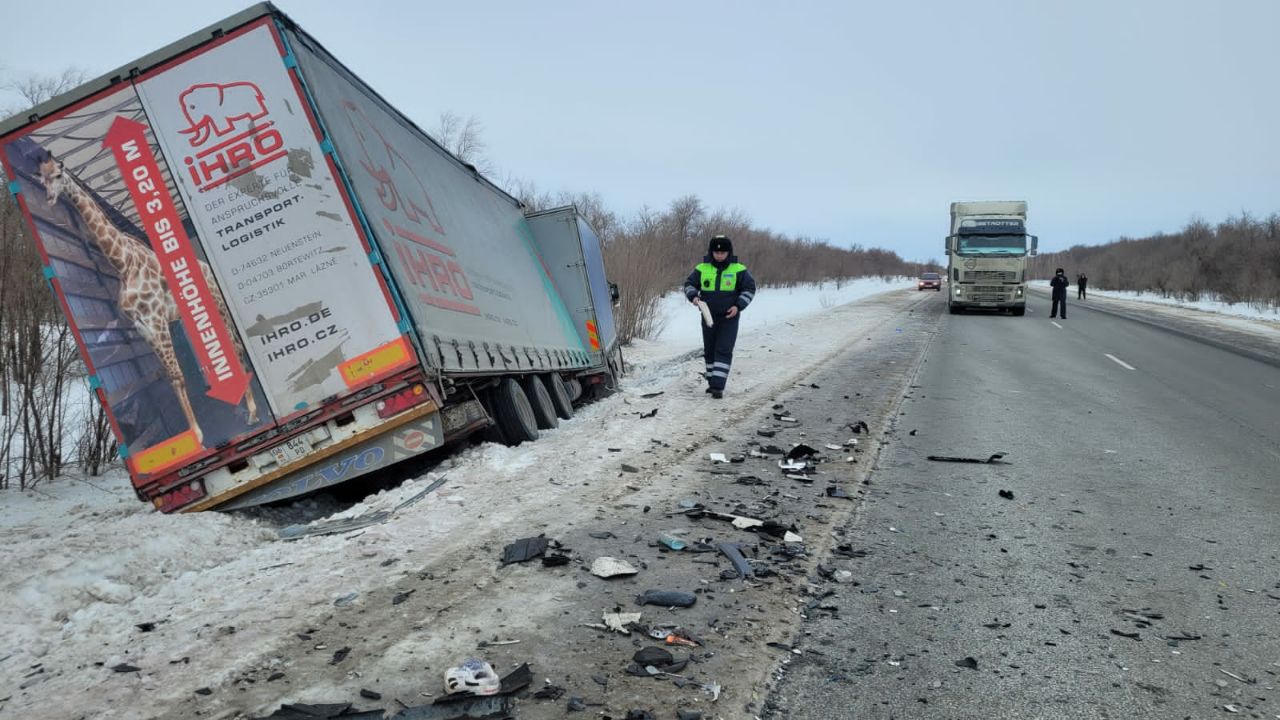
853 121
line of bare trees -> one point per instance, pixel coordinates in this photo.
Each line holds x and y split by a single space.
651 253
47 418
1235 261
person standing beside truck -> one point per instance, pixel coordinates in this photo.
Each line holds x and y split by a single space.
1059 284
726 288
1082 282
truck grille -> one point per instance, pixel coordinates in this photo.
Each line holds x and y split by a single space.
991 276
988 293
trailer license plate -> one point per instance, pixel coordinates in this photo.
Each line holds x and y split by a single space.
291 450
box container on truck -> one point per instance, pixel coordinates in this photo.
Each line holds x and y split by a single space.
279 282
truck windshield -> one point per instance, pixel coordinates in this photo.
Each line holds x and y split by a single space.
993 245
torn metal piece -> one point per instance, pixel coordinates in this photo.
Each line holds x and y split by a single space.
330 527
993 460
494 706
306 711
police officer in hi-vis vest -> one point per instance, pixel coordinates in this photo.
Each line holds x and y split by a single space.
725 286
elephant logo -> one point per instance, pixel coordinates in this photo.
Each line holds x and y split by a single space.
215 108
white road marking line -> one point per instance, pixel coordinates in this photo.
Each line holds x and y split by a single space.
1120 362
1055 324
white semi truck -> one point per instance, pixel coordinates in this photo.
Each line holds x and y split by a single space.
278 282
987 253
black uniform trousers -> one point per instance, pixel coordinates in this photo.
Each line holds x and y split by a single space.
717 349
1059 303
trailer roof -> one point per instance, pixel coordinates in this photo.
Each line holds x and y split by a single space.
137 67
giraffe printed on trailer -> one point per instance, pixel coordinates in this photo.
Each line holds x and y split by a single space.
144 295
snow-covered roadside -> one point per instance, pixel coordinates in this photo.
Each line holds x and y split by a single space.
87 564
1228 311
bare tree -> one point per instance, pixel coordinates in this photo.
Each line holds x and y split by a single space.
464 137
34 89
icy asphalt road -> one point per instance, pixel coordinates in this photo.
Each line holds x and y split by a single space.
1133 572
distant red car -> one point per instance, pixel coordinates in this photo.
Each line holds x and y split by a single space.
930 280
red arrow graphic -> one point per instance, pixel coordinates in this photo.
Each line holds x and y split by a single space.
209 335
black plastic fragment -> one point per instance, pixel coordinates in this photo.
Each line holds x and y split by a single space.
524 549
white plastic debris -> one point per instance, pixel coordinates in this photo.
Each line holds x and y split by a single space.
744 523
719 457
792 464
607 567
791 537
474 676
618 622
831 446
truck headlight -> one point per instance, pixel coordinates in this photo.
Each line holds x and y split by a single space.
958 293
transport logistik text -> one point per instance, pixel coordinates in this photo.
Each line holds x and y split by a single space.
254 226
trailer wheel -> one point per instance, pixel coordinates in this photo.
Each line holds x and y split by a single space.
513 413
559 395
574 386
543 410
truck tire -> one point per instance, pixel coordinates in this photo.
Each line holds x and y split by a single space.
954 309
1019 311
559 395
513 413
574 386
543 410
